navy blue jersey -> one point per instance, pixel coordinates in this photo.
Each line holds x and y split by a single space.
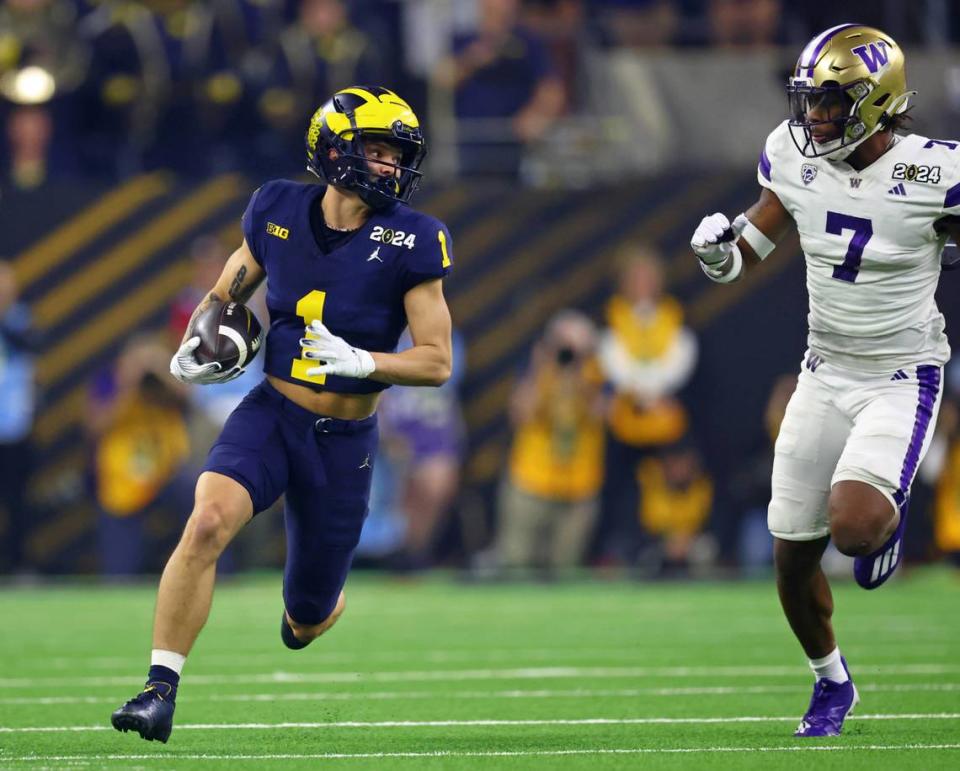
356 289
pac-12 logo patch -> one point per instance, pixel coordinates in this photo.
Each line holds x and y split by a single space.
808 173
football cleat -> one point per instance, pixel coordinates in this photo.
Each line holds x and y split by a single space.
872 570
149 713
829 706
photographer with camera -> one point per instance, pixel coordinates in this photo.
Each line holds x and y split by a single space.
136 422
548 500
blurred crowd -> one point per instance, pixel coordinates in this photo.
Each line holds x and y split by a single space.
605 463
108 88
604 466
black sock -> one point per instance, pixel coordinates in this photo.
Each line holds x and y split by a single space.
288 637
161 674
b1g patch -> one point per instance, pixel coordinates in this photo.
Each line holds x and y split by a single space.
393 237
279 232
913 172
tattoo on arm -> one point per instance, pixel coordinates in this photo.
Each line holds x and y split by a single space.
238 291
213 297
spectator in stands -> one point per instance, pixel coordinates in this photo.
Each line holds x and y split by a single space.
945 448
320 52
676 503
17 408
423 442
506 91
136 421
743 23
946 512
548 499
647 355
637 23
29 130
228 47
127 90
42 61
208 254
749 486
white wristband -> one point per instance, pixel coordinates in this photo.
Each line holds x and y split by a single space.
756 240
720 273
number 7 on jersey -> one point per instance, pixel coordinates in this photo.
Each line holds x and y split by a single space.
862 232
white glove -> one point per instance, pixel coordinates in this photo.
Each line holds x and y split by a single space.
337 355
707 243
185 367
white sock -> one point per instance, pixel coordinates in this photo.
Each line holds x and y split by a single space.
830 667
168 659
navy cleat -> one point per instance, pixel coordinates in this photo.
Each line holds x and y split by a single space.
149 713
829 706
872 570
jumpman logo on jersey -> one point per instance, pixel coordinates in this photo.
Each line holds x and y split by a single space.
366 463
375 255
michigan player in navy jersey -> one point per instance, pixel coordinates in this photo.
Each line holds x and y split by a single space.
874 210
348 266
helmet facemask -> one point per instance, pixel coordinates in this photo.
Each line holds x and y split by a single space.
831 98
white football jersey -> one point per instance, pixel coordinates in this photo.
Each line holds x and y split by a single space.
872 253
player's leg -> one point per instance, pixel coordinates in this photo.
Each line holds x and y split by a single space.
808 447
222 506
325 506
805 594
869 502
861 517
520 528
573 524
245 472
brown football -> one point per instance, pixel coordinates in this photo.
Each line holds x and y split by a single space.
229 334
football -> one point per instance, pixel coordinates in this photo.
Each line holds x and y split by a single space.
229 334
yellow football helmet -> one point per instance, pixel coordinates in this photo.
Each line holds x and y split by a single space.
343 123
859 69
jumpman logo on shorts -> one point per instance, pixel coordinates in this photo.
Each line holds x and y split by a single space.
366 462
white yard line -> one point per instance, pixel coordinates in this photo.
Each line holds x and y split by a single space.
456 675
544 693
490 655
167 757
483 723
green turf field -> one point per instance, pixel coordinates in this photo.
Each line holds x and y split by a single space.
437 674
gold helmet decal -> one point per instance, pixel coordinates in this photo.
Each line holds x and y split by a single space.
851 76
360 113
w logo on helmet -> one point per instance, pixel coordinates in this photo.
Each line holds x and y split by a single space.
874 55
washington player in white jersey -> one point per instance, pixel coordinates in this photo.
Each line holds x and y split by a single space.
873 210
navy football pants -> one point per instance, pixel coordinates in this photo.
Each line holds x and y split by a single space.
272 446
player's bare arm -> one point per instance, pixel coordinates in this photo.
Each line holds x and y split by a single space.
429 361
240 277
724 248
769 216
239 280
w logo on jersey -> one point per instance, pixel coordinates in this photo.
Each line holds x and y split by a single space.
873 55
808 173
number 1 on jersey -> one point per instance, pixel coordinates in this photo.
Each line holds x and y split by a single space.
309 307
862 232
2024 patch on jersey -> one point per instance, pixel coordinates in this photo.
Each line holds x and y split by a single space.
356 290
872 252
